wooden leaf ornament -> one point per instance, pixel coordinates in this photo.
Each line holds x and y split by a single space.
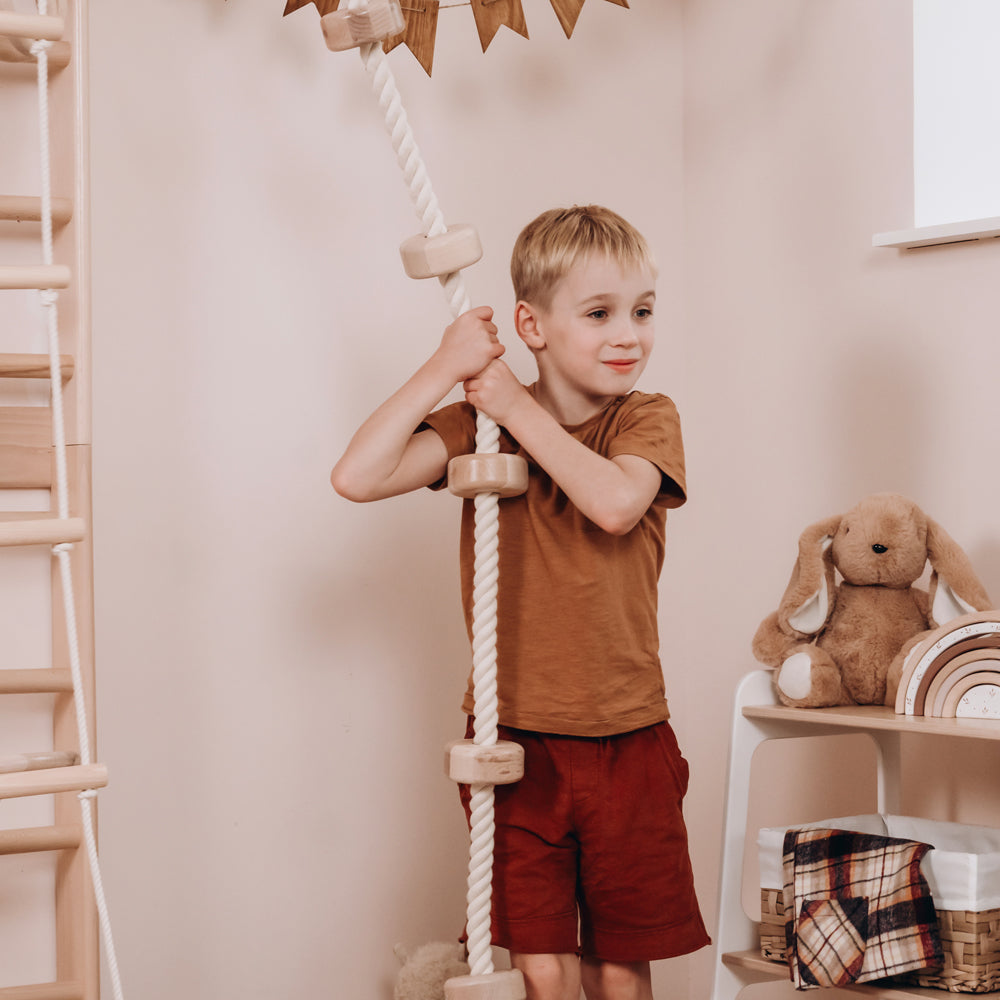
492 14
420 32
569 10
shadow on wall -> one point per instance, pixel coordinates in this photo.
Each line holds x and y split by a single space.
897 432
985 557
391 576
880 393
382 610
772 75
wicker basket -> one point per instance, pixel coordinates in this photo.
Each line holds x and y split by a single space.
971 944
963 874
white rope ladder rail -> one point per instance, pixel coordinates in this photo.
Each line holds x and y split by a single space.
483 980
62 551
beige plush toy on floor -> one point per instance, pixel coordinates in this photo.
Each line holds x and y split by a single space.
844 643
426 968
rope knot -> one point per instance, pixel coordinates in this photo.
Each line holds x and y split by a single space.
39 46
62 547
88 793
48 297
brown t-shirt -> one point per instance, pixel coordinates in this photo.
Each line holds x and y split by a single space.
577 644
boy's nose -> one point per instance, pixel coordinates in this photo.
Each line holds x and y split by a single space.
625 335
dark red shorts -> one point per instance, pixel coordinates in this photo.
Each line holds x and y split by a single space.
591 852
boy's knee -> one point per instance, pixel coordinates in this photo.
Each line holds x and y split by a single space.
549 977
616 980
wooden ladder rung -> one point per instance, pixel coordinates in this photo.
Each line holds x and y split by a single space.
43 991
17 51
40 681
40 838
42 531
34 276
58 779
28 208
34 366
37 761
44 26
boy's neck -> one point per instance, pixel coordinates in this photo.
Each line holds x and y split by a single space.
567 408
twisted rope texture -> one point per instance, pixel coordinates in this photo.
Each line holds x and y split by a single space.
487 522
49 300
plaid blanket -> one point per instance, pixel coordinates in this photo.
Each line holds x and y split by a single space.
857 908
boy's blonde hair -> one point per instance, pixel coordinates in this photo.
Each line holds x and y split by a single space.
551 245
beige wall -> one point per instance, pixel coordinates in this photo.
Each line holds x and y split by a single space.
280 669
819 369
277 668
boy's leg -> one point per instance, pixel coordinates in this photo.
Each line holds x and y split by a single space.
549 977
535 863
637 898
616 981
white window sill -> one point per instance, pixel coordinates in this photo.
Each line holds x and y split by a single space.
930 236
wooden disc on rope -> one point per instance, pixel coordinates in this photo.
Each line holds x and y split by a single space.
505 985
434 256
468 763
470 475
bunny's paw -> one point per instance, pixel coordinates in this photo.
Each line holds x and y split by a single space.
808 678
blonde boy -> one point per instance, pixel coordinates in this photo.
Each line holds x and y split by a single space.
592 879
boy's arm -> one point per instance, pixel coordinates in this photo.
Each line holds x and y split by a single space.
385 457
613 492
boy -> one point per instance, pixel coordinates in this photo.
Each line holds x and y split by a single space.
592 838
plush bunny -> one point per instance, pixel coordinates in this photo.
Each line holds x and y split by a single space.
426 968
844 644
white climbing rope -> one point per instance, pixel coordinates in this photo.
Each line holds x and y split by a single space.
487 522
62 551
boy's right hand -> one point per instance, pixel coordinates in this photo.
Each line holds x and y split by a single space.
470 344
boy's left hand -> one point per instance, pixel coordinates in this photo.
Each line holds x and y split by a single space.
496 391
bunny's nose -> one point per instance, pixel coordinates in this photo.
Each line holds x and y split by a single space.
879 548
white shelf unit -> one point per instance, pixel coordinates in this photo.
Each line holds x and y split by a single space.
757 718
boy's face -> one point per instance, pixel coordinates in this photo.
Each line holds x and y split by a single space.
594 339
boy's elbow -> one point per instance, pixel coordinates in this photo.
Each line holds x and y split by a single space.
620 511
619 525
617 521
344 485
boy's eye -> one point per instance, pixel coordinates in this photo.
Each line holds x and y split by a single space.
598 314
643 312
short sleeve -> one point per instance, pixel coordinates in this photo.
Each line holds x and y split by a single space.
455 424
651 429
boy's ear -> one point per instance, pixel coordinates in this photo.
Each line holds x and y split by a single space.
526 322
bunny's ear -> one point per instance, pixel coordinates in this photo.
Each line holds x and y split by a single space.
808 600
954 588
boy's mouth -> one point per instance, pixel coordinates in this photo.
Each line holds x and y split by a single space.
622 365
